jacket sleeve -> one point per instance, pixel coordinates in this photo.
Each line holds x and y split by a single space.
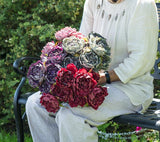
142 42
87 19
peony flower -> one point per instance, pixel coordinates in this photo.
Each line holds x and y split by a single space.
97 96
45 87
65 32
49 102
61 94
55 55
105 60
71 67
83 82
57 50
36 74
98 44
64 94
51 72
95 75
89 59
47 48
73 45
71 59
65 78
78 35
75 100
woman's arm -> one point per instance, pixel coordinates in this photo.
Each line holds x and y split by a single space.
112 74
142 44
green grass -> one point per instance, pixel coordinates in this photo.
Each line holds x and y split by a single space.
11 137
146 137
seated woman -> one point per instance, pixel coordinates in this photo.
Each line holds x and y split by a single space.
131 30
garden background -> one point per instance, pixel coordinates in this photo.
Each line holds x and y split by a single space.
25 27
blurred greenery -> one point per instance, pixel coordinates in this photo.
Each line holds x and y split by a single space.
11 137
25 27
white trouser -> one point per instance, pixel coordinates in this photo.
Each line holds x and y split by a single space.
72 124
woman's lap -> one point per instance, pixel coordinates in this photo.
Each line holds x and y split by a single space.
62 125
116 103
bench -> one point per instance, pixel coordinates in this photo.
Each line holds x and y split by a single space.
150 119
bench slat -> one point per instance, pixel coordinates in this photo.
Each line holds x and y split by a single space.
150 119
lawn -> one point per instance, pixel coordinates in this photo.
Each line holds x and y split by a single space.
11 137
151 136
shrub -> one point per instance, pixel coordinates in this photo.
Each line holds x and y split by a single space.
25 27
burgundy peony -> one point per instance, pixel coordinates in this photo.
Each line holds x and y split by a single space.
61 94
83 82
97 96
71 67
95 75
65 76
75 100
49 102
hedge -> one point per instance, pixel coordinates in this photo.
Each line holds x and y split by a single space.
25 27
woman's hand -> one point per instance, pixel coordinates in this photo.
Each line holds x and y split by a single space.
102 79
112 74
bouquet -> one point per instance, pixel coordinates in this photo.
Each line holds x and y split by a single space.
66 72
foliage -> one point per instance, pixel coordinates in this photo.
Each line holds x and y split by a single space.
25 27
111 127
11 137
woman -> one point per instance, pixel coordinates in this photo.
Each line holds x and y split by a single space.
131 30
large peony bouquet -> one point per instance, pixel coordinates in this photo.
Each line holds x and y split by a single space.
66 72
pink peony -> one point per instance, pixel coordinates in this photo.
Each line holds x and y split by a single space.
47 48
65 32
78 35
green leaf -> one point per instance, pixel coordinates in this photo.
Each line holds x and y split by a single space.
134 138
12 83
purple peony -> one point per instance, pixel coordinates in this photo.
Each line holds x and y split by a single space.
45 87
54 55
36 74
51 72
47 48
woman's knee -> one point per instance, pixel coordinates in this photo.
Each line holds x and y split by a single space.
64 115
32 102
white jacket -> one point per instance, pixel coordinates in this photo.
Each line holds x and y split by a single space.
131 30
